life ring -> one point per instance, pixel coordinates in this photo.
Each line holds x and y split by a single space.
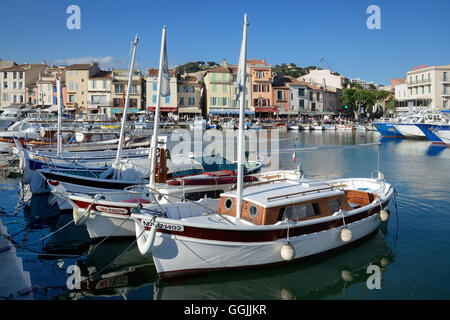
145 245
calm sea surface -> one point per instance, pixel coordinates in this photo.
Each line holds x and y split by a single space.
413 252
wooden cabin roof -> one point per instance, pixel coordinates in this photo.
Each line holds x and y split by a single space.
283 193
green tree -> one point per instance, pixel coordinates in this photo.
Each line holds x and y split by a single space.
361 99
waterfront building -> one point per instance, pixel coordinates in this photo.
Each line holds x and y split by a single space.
429 87
167 104
45 95
77 86
261 87
324 78
119 82
189 95
99 93
15 79
280 91
221 94
302 98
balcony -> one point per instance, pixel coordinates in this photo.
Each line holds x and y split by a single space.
418 81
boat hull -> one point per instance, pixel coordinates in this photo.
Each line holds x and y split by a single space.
410 131
177 255
386 129
430 130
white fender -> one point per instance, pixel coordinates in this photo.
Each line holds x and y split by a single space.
81 219
145 245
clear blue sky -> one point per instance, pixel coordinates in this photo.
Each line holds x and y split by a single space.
412 33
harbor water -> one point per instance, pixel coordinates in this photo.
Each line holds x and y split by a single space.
411 252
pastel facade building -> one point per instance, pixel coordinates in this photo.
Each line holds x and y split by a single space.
221 95
324 78
261 86
429 87
14 81
119 83
189 95
167 104
46 86
99 93
77 86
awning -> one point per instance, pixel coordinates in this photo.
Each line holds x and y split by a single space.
229 111
120 110
266 109
163 109
189 110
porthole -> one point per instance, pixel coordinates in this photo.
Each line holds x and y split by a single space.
228 204
253 211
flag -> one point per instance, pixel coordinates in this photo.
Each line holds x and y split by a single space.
240 80
165 77
293 158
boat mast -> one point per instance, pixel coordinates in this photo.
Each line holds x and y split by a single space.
161 72
127 102
241 85
59 102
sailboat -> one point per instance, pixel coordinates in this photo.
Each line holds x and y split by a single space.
261 224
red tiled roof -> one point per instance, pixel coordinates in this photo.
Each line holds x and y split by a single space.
79 67
154 72
256 61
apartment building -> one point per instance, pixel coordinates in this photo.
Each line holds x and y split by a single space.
189 95
221 95
429 87
167 104
45 94
261 86
14 81
77 86
99 93
324 78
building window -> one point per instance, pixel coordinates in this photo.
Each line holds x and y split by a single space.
133 89
213 101
214 87
167 99
255 88
154 98
224 101
93 84
71 98
118 88
224 88
5 75
181 101
301 92
280 95
301 103
191 101
444 76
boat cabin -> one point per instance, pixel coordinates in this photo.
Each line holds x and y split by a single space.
269 203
